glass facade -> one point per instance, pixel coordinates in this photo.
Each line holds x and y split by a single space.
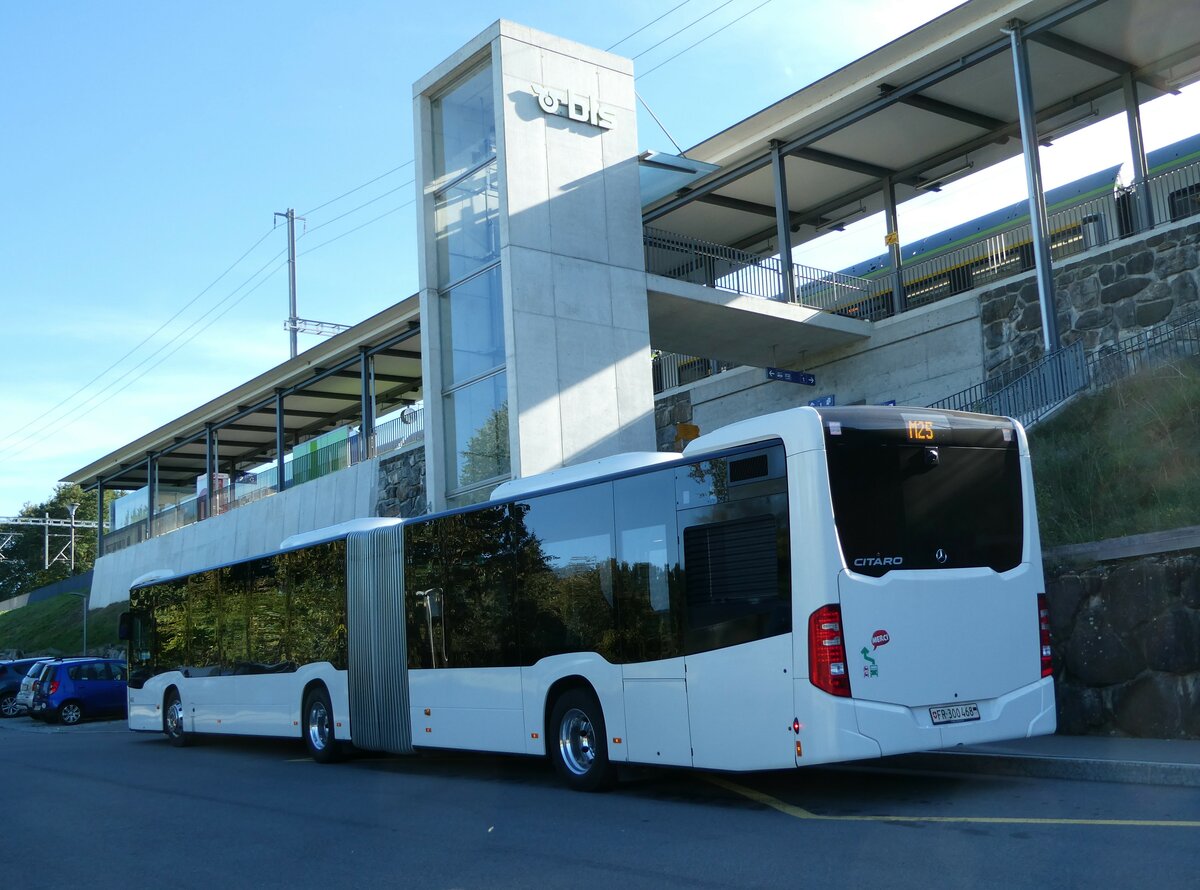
467 224
466 232
464 124
477 432
472 326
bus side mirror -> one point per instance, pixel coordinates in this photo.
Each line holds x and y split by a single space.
124 626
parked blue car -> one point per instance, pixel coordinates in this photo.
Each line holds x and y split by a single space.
71 689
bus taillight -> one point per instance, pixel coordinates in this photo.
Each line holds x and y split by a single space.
827 652
1044 633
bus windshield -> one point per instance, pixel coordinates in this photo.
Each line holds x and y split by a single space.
924 489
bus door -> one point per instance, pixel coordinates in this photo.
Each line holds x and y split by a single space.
733 531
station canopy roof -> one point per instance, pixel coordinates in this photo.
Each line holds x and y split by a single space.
918 110
929 107
322 390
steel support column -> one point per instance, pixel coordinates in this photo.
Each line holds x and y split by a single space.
366 433
1027 114
99 518
891 223
280 443
1144 218
783 223
210 468
151 492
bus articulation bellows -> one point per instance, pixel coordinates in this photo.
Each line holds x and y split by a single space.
806 587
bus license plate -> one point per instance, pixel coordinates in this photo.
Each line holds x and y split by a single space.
955 713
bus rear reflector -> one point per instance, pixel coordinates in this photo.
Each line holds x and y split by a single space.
827 652
1044 634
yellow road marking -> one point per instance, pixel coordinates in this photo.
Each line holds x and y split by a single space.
801 813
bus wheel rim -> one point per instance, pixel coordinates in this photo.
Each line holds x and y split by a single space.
575 742
318 725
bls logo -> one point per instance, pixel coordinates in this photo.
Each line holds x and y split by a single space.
578 107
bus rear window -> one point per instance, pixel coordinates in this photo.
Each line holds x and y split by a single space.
925 493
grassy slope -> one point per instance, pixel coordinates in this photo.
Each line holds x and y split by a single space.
55 627
1122 462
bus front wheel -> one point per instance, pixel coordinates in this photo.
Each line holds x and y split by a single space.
318 727
173 721
578 745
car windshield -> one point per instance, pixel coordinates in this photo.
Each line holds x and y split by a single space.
35 669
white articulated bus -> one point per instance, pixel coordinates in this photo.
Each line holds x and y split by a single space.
811 586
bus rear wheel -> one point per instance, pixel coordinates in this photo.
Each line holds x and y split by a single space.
318 727
578 745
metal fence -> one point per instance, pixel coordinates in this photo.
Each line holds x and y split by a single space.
1161 199
404 431
727 268
1028 394
1031 392
671 369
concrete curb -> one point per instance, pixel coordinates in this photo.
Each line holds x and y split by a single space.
1050 767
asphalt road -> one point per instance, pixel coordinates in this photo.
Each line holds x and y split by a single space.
97 806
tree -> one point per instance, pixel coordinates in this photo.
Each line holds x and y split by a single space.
23 568
486 455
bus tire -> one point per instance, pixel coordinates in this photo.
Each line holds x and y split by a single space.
173 721
317 726
578 744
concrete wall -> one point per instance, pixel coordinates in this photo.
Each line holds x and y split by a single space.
571 252
915 358
255 528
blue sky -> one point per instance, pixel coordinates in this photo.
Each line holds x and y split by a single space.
147 146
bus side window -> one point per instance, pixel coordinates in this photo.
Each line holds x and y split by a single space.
649 612
564 560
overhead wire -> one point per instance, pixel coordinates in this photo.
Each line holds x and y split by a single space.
66 422
358 188
684 28
20 438
378 197
399 207
22 434
647 25
197 333
702 39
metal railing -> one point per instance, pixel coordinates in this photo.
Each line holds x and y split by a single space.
1172 196
1148 349
727 268
404 431
670 369
1032 391
1029 393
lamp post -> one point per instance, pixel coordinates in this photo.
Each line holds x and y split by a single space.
85 597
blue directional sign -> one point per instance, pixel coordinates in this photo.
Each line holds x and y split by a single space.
822 402
787 376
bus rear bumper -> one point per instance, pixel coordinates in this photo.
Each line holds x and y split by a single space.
863 729
1024 712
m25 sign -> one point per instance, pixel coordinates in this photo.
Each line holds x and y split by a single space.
576 106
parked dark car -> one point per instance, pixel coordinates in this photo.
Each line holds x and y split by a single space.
11 675
72 689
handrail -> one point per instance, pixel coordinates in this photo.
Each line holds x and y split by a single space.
1032 391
